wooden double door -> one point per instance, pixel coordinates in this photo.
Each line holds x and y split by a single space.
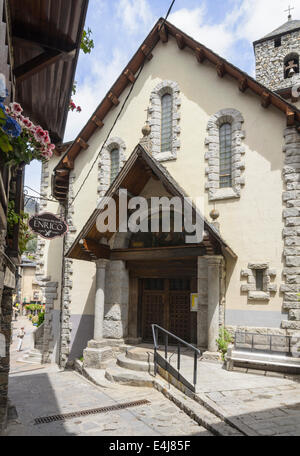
166 302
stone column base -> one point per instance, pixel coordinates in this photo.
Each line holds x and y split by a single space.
105 343
97 358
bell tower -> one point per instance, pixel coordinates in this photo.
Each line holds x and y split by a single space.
277 57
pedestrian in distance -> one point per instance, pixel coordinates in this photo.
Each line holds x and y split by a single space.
20 336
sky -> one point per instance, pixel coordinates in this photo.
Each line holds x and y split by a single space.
228 27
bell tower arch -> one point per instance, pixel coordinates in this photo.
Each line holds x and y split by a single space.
277 57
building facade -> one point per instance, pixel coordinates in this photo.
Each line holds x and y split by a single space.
215 134
29 39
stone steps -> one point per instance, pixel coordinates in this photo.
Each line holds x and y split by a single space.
34 356
140 354
135 365
117 374
132 367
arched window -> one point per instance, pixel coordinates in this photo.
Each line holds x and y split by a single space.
164 119
225 148
114 164
291 65
225 133
166 122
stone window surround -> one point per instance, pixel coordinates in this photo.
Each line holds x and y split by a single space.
161 89
250 287
288 57
104 162
212 155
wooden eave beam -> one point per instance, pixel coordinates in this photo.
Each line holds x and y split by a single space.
62 172
60 186
147 52
221 70
200 54
97 121
129 75
82 143
265 99
146 254
99 250
290 117
113 98
36 65
30 36
180 40
60 193
163 34
243 84
68 162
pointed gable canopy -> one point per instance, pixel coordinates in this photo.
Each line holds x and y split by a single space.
133 177
161 32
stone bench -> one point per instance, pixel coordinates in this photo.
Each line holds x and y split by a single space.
262 360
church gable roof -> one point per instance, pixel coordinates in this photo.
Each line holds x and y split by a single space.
161 32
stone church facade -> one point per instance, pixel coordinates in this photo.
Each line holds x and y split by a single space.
215 133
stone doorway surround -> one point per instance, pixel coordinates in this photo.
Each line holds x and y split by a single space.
117 301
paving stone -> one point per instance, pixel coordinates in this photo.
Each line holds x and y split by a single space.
67 391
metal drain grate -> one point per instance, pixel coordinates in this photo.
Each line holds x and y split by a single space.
110 408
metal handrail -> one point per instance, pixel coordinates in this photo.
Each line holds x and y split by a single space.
271 345
164 363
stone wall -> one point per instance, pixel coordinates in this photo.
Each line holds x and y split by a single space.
66 325
5 329
3 341
270 61
291 232
49 289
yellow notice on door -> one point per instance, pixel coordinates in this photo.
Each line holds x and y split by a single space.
194 302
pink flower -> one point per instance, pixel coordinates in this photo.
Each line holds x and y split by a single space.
47 138
16 108
72 105
27 123
40 134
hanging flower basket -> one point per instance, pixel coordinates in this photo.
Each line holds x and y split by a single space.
20 140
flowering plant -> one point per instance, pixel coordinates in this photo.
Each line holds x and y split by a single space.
73 107
24 233
20 140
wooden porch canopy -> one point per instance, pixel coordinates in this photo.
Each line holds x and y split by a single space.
202 54
133 177
45 39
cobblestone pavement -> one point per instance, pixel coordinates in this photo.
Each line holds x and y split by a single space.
271 410
264 403
17 363
50 392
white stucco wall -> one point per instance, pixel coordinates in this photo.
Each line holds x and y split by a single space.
252 225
